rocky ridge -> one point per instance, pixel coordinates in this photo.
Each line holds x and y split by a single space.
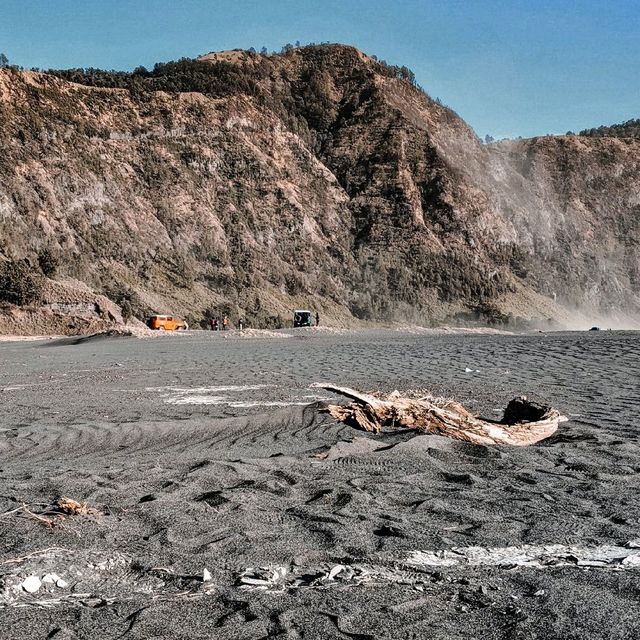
250 184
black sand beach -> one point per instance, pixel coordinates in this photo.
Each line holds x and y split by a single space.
208 452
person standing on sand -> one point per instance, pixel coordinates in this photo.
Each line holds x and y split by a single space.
317 319
225 323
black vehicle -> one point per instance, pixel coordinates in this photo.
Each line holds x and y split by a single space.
301 318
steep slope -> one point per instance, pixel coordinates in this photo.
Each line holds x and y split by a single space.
575 205
184 200
320 177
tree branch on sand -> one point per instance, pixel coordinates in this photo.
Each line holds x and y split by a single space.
524 422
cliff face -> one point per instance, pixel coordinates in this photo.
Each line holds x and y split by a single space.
575 206
319 178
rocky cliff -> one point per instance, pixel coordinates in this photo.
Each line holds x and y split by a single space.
252 184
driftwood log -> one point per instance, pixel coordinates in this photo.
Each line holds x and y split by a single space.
524 422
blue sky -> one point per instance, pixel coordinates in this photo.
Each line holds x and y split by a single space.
518 67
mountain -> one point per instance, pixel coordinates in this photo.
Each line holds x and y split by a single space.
253 184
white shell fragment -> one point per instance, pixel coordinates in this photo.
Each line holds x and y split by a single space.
31 584
255 581
206 576
339 568
54 578
266 578
278 574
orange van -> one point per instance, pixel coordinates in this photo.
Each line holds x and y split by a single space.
167 323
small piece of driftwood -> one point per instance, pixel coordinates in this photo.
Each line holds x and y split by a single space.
524 422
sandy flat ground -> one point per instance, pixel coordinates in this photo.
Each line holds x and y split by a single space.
210 452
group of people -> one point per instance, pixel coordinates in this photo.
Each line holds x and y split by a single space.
221 324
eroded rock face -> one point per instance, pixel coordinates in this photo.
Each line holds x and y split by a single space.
316 178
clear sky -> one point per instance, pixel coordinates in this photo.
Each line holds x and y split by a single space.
508 67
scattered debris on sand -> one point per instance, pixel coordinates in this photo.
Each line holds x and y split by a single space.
417 567
43 518
419 570
280 578
54 516
539 556
524 422
255 333
71 507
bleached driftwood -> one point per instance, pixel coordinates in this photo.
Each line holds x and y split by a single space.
524 422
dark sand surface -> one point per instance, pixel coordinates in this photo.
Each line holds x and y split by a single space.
192 470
